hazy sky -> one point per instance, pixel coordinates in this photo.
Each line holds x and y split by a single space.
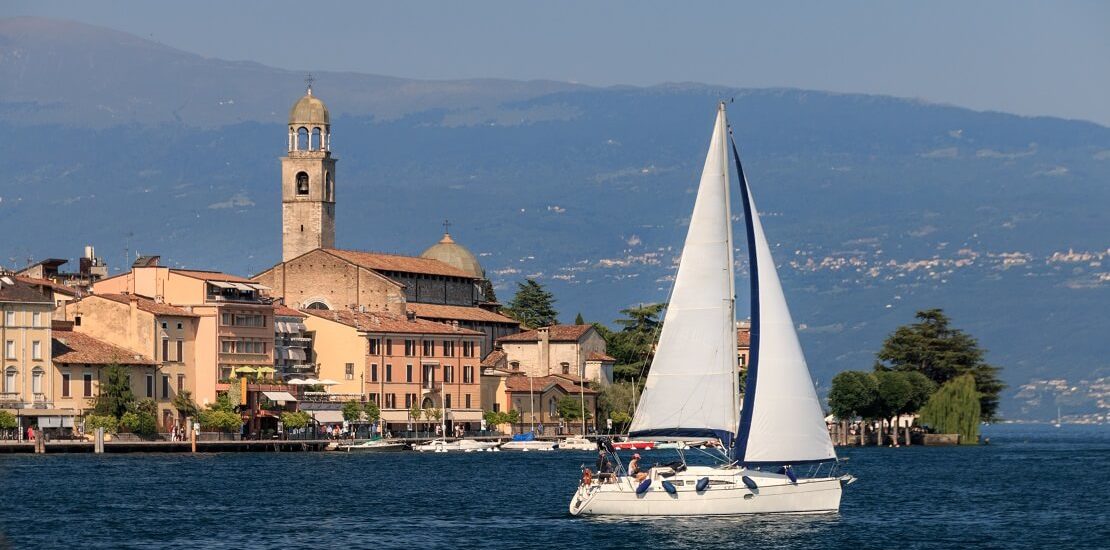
1049 58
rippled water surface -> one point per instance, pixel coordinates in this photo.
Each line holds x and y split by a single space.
1032 487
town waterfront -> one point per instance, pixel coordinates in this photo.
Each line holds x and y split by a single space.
1033 486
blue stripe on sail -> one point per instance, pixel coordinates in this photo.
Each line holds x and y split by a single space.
741 448
723 435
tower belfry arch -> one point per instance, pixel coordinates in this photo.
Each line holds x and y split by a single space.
307 179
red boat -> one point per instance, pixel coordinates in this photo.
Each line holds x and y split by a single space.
634 445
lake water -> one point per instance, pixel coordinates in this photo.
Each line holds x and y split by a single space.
1032 487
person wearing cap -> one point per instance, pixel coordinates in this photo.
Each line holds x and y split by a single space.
634 468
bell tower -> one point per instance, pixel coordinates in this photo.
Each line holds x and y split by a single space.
307 180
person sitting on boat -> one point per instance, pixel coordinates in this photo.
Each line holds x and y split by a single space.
634 469
604 467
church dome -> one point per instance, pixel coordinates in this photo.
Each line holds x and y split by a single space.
309 110
454 255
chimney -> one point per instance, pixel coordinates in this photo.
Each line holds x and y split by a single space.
545 350
410 315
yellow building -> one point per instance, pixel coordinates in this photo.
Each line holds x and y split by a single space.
79 361
25 317
398 361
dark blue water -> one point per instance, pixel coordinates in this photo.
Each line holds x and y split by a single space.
1033 487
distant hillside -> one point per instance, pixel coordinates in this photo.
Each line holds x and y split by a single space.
876 206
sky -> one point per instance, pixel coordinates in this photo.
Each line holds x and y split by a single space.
1024 57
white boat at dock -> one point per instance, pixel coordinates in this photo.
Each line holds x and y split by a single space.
577 444
373 446
461 445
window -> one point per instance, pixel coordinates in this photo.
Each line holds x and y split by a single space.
65 384
179 326
10 381
165 386
77 321
165 325
408 373
375 346
388 372
87 383
36 319
373 372
447 401
497 407
180 383
150 385
429 376
9 318
374 398
302 183
180 351
551 407
36 350
468 349
225 372
566 368
36 380
448 349
448 374
467 399
9 349
391 401
410 348
515 365
388 346
349 371
468 374
429 348
165 349
408 400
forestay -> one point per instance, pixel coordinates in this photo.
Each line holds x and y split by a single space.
692 390
781 420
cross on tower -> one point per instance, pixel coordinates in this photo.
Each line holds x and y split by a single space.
446 227
308 80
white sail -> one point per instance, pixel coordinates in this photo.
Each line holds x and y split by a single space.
691 390
786 423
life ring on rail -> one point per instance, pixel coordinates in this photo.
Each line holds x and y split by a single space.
587 476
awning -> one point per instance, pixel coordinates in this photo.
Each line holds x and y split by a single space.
328 417
280 396
257 286
465 415
243 287
221 284
296 353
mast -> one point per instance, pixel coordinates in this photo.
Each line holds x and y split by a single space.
730 333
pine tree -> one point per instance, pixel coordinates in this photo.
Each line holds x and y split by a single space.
115 396
941 353
633 345
954 408
533 305
578 320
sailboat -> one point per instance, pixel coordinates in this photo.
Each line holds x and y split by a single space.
1057 424
776 455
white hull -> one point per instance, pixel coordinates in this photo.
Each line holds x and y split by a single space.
463 445
535 445
726 496
577 444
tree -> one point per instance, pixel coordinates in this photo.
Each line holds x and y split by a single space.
578 320
415 411
295 420
633 345
433 414
955 408
139 423
487 290
94 421
352 411
942 353
621 420
8 421
373 412
894 392
115 396
219 420
185 404
533 305
570 408
616 398
853 393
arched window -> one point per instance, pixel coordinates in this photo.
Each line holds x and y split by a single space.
302 183
302 138
36 380
551 407
10 380
317 305
428 403
314 145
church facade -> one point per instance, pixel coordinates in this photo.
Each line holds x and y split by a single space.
443 284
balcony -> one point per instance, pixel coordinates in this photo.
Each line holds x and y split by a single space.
246 358
431 387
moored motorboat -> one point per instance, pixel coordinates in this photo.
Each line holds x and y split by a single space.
692 393
633 445
576 443
373 446
461 445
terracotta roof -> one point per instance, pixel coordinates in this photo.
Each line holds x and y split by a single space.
393 262
75 348
21 292
210 275
493 359
57 287
147 305
558 333
744 337
458 313
519 383
384 322
595 356
286 311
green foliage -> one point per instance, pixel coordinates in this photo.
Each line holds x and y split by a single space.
852 394
616 398
232 396
221 416
495 419
94 421
620 419
533 305
432 413
352 411
880 394
223 403
570 408
373 412
632 346
295 420
955 408
513 416
415 411
139 422
185 404
115 396
8 421
578 320
941 353
148 406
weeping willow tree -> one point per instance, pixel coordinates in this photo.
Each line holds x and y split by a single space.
954 409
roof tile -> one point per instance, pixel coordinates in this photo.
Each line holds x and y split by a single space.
75 348
384 322
558 333
458 313
394 262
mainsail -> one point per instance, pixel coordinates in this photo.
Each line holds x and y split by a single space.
692 390
781 421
